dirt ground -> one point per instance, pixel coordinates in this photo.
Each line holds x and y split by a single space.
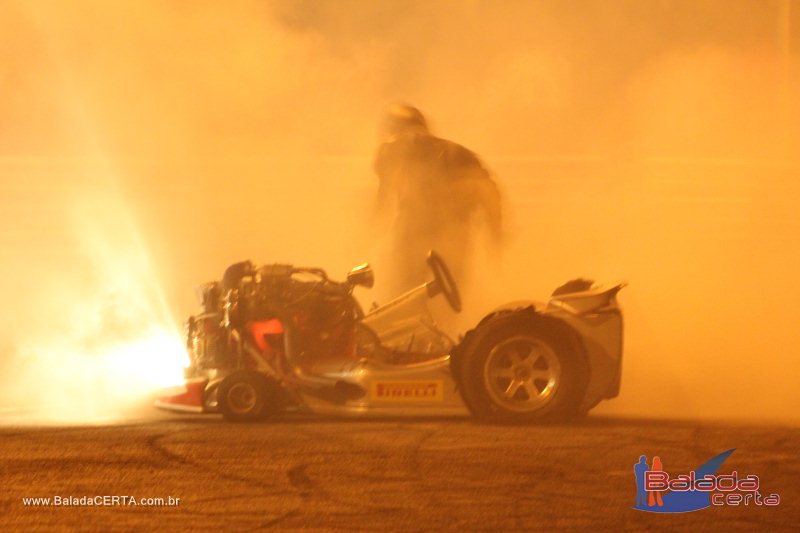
299 473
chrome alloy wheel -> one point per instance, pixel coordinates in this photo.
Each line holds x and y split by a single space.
522 374
242 398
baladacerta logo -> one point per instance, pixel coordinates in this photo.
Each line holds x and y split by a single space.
657 492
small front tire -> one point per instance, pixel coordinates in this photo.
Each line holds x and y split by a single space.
242 397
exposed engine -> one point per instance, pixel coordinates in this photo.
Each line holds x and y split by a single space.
278 307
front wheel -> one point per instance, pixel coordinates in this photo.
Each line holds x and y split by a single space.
524 371
242 397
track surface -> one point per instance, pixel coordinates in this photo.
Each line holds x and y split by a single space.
406 475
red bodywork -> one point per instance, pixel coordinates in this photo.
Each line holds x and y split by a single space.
190 398
261 330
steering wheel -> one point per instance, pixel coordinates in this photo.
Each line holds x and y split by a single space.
443 281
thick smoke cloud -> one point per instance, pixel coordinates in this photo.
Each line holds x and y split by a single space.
146 145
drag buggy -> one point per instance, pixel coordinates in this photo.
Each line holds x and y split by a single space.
278 338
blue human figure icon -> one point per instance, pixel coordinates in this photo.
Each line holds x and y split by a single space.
639 469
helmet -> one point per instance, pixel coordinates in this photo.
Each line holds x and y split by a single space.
403 118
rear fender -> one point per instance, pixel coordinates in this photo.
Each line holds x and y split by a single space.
525 312
595 314
586 302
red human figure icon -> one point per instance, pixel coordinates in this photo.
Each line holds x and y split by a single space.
655 496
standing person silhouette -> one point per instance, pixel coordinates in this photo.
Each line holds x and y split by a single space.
640 469
655 495
435 194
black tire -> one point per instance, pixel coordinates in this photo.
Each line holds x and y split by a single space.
244 397
522 369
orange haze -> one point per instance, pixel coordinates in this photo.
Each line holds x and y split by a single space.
146 145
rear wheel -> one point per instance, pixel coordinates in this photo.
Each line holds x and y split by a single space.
524 371
243 397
